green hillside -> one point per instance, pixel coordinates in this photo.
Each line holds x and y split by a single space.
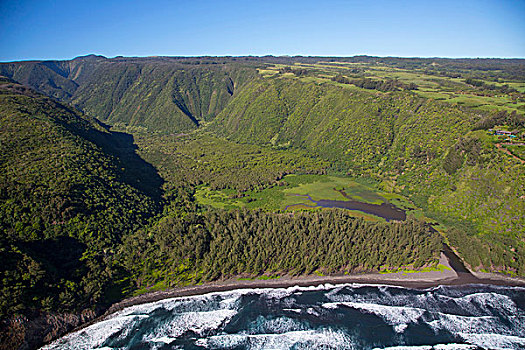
355 128
405 142
161 98
68 194
142 95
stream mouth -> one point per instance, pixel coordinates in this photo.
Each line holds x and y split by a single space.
454 261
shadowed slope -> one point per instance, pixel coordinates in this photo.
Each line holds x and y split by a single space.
69 190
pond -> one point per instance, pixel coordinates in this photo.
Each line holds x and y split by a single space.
387 211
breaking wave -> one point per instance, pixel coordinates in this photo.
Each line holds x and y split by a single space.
349 316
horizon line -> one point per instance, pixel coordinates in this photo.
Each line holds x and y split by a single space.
266 55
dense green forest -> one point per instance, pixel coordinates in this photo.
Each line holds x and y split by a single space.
105 164
217 244
67 197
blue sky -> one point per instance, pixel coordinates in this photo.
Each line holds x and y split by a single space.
65 29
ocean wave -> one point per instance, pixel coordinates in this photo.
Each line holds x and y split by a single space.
478 324
176 321
95 335
475 304
275 325
199 323
454 346
397 316
326 338
316 316
494 341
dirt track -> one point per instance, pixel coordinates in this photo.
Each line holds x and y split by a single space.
501 148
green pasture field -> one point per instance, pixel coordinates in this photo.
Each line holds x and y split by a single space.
326 187
447 89
268 71
294 195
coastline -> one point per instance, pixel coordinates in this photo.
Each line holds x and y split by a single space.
416 280
452 274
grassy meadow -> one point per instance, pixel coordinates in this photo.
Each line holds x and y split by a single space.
294 192
452 90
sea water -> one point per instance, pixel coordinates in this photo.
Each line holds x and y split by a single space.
349 316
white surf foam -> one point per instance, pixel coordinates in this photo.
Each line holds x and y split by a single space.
419 347
298 311
430 347
296 339
95 335
397 316
494 341
454 347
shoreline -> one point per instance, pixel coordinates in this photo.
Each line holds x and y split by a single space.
307 281
414 280
449 276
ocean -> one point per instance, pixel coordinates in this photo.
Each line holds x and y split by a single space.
347 316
